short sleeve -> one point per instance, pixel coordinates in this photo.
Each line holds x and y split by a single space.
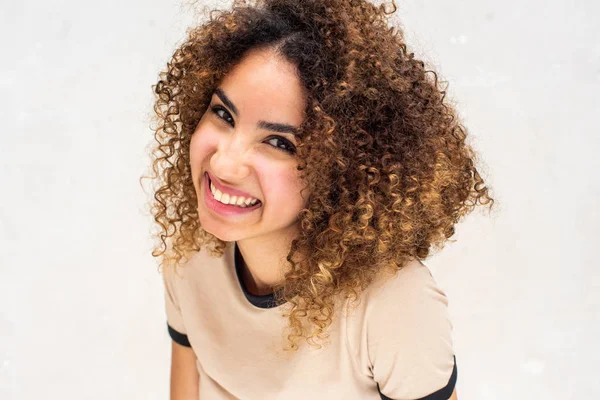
175 325
409 338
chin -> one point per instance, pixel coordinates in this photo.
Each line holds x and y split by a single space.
221 234
224 239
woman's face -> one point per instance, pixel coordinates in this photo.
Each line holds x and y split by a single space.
245 142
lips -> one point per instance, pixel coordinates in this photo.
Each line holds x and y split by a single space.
225 210
228 190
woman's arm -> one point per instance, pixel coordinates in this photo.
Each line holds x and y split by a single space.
453 397
184 373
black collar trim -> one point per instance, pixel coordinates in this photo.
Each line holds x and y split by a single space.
264 301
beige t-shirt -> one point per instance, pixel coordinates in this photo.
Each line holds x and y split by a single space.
396 344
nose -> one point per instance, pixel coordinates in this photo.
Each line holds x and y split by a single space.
229 162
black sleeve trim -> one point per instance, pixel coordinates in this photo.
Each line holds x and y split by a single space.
442 394
178 337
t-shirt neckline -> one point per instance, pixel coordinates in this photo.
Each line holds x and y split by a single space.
261 301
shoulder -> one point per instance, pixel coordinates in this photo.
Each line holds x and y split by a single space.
410 302
411 286
175 275
191 262
409 333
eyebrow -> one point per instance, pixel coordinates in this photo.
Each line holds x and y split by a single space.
272 126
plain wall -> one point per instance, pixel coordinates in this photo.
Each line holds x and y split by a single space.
81 300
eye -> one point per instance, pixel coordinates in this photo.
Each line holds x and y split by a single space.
215 110
287 146
284 144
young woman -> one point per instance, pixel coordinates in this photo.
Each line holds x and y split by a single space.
305 166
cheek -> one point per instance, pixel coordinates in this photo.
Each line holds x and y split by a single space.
283 187
202 143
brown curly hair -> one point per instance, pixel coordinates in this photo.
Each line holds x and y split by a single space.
383 157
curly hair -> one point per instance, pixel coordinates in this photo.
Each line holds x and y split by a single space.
384 157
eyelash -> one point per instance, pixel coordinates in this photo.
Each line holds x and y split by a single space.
291 149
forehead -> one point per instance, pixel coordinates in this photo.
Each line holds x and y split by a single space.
264 82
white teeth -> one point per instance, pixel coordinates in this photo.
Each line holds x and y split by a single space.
225 198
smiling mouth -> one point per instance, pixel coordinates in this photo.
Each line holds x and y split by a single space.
229 200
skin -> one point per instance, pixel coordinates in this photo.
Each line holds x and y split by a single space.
242 155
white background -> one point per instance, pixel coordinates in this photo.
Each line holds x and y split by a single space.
81 298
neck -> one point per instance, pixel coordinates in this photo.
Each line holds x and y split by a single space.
264 262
